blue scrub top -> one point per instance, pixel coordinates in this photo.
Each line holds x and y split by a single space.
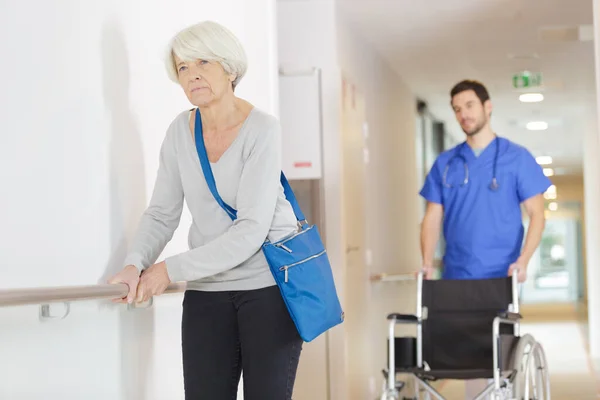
483 228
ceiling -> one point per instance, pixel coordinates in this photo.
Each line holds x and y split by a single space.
434 44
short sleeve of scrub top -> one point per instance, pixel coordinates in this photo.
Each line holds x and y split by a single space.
432 188
531 180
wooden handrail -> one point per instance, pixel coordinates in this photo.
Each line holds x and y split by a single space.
383 277
46 295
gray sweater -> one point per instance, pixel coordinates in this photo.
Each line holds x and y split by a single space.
222 255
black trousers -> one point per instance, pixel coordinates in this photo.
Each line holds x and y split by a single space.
224 333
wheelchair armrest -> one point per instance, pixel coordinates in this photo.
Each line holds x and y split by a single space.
511 316
403 318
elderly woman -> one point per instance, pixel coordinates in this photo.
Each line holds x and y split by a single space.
234 317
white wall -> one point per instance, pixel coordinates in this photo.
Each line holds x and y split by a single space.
592 198
84 105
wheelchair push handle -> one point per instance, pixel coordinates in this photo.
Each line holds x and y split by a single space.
426 272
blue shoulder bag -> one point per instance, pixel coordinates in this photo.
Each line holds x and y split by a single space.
299 262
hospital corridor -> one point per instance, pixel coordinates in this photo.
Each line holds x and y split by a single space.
300 200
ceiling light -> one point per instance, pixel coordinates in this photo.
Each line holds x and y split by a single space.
544 160
537 126
531 97
548 172
553 206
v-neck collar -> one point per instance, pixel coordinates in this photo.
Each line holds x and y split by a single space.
191 139
467 152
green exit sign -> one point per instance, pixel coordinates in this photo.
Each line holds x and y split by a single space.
526 79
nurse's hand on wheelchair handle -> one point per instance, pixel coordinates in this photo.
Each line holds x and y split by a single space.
427 272
521 268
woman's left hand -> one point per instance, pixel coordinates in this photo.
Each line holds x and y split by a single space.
153 282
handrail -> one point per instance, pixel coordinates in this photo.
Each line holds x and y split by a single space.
383 277
45 295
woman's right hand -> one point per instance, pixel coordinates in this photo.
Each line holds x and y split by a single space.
129 276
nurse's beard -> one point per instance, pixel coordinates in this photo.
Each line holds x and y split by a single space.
476 129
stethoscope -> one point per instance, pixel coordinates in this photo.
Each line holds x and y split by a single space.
493 185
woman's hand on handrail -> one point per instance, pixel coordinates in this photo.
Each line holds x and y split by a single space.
129 276
153 282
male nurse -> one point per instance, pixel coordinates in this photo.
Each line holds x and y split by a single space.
476 189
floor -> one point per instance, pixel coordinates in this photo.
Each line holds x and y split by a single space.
563 333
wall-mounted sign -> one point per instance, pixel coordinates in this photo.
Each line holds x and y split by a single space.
300 117
527 79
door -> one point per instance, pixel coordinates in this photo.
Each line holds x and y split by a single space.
354 155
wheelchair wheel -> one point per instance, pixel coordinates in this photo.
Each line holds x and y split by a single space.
530 381
541 374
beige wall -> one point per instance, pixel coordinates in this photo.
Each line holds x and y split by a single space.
568 188
392 191
571 189
392 203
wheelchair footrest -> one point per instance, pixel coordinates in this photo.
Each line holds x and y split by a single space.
434 375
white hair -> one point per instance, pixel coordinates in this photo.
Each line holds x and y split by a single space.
208 41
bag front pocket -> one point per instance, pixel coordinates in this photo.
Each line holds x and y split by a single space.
286 268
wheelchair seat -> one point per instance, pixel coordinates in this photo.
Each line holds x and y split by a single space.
466 329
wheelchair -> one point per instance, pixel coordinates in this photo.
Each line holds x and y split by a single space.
466 329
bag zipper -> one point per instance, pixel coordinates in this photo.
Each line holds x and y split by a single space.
283 246
287 267
281 243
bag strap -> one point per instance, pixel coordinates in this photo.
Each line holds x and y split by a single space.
291 197
208 175
210 179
